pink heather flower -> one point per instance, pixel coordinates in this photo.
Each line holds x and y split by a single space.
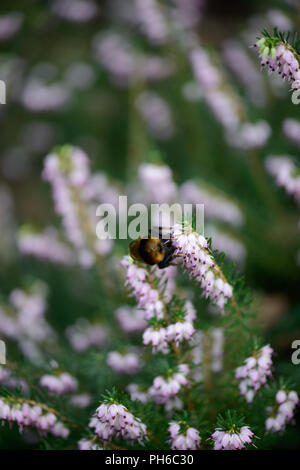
136 393
200 265
157 337
217 205
190 310
45 246
148 298
84 335
40 97
188 13
250 135
246 71
81 400
68 173
99 189
255 372
26 415
285 173
180 331
279 58
222 104
151 175
86 444
156 114
128 363
216 339
164 389
25 320
283 411
123 61
130 319
114 420
10 24
187 440
151 20
9 380
233 440
64 204
225 242
291 129
75 11
59 384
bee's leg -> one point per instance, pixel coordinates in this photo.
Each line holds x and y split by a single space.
171 260
165 263
169 257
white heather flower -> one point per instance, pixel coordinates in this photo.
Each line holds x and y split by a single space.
200 265
127 363
114 420
166 388
189 439
254 373
233 440
283 411
59 384
285 173
148 298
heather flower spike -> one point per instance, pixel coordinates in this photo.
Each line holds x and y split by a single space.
278 54
200 264
255 372
183 437
231 433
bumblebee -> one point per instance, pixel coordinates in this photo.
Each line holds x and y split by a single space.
151 251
